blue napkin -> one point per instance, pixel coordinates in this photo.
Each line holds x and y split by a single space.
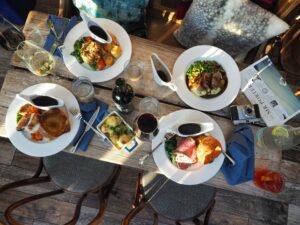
241 148
87 110
58 23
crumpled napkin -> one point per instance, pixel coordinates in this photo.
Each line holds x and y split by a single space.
241 149
58 23
87 110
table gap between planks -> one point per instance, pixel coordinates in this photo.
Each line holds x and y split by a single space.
18 78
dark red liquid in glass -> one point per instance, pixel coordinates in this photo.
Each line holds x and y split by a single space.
147 123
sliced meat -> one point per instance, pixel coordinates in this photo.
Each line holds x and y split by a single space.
205 80
183 166
27 108
188 147
34 120
179 140
216 80
23 122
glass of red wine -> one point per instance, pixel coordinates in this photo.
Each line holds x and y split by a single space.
10 35
146 126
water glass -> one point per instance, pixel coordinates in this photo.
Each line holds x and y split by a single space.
39 61
83 89
134 71
150 105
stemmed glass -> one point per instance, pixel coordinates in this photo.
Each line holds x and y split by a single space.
39 61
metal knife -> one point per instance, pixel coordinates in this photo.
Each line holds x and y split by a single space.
87 128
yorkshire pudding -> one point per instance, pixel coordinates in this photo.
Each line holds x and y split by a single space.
208 149
55 122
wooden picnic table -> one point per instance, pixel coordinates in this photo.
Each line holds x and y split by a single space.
18 78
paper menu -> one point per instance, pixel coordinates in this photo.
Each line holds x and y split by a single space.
262 83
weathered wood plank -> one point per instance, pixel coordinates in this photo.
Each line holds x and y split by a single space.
7 152
293 215
22 219
258 209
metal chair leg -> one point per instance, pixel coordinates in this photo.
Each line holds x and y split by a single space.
155 219
9 210
75 218
33 180
103 195
196 221
133 213
207 215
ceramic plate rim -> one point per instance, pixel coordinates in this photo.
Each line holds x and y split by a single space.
164 164
41 149
206 52
97 76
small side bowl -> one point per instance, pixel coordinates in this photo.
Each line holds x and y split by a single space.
107 137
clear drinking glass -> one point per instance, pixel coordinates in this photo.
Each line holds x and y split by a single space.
39 61
83 89
10 34
134 70
150 105
33 34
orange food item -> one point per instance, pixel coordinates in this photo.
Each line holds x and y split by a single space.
208 149
100 64
28 109
88 38
36 136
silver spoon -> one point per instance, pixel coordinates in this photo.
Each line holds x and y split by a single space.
96 31
41 101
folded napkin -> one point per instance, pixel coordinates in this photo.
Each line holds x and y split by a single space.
87 110
241 148
59 27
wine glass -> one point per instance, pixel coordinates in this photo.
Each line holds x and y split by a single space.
39 61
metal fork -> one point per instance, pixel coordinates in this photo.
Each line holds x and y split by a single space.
74 111
167 137
57 37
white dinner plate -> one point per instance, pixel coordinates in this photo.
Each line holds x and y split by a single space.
35 148
197 173
77 69
206 52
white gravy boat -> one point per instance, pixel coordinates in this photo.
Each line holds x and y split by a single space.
161 73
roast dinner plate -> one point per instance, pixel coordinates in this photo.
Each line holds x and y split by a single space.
197 173
77 69
206 53
42 149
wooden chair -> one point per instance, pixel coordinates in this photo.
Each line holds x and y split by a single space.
171 200
70 173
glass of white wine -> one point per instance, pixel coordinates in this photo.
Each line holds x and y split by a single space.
39 61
